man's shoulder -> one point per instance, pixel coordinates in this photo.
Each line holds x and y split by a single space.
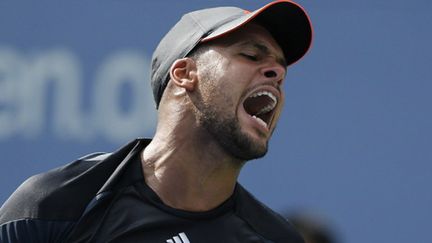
264 220
64 193
59 194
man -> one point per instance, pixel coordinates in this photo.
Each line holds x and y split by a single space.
216 79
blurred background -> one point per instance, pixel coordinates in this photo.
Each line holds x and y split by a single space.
353 145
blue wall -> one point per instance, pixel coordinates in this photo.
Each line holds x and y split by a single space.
353 143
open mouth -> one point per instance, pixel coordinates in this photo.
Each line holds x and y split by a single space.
260 106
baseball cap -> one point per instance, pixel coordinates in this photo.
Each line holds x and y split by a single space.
287 21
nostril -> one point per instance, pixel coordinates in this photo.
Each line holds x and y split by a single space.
270 74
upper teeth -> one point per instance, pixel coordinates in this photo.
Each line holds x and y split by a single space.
270 106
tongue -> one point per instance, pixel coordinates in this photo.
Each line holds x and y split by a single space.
253 105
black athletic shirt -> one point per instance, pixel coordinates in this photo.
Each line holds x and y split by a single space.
103 198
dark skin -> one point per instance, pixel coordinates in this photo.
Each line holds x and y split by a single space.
188 163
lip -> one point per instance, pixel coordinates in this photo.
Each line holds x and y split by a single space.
268 88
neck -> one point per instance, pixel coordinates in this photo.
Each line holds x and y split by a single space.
189 171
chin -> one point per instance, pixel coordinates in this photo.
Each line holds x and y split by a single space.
245 148
239 143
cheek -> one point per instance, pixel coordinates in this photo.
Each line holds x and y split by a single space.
238 78
224 82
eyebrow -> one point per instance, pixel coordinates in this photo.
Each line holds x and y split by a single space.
265 50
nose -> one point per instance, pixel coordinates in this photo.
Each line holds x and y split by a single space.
274 71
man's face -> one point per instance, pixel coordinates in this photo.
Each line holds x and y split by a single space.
239 90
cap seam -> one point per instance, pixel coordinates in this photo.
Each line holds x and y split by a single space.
215 26
200 26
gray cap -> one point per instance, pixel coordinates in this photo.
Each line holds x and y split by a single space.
287 21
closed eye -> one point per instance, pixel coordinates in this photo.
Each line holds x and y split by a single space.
250 57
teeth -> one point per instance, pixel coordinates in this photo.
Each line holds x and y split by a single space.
268 107
261 93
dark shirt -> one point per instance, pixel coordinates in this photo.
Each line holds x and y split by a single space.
104 198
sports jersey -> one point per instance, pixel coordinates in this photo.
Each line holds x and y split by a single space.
104 198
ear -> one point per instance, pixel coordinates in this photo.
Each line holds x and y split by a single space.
183 73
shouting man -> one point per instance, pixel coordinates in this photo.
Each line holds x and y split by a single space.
217 80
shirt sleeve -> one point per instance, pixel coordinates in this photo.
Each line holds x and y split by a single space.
34 231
